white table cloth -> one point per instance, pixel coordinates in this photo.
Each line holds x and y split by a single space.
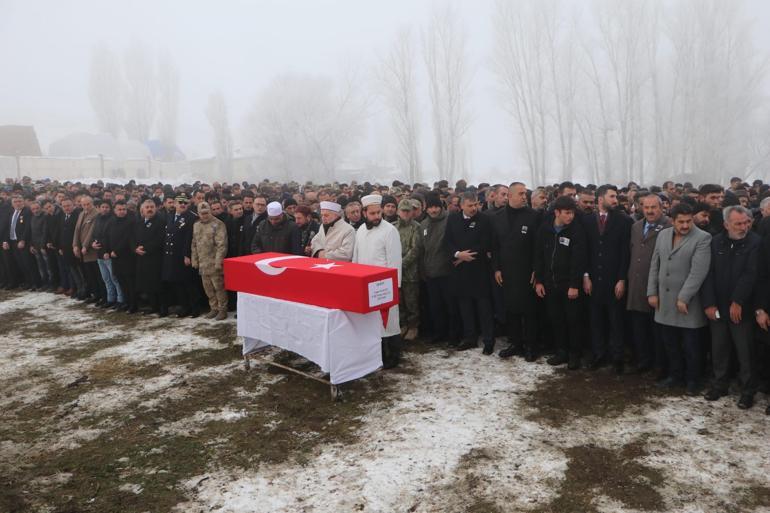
344 344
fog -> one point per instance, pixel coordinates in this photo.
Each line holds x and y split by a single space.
488 90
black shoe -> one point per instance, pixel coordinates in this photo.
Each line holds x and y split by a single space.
619 368
453 343
468 344
530 355
150 311
194 314
163 312
489 347
693 389
89 300
509 351
746 401
669 383
574 363
714 394
767 410
132 310
107 305
182 314
557 359
595 364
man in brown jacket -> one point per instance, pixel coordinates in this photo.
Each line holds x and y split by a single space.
84 253
648 344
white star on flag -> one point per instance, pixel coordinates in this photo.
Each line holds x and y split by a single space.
325 266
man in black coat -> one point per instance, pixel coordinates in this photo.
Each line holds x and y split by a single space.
254 212
728 298
177 253
560 261
150 232
119 244
468 239
277 233
77 282
515 230
608 232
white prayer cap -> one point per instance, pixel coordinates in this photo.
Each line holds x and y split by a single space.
372 199
274 209
330 205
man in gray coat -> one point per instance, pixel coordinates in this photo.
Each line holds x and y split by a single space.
680 264
648 342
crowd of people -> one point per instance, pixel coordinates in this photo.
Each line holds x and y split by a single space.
669 281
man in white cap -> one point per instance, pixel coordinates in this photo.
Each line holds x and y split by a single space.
378 243
336 238
277 233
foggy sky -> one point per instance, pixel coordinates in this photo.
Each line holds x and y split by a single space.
238 47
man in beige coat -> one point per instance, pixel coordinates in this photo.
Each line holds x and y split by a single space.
336 238
209 247
81 247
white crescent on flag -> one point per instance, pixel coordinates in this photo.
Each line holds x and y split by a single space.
265 267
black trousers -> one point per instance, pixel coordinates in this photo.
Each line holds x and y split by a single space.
648 341
564 318
391 351
94 285
470 307
444 312
186 294
25 262
127 283
11 271
521 327
607 326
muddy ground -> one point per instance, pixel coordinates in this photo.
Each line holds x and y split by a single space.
105 412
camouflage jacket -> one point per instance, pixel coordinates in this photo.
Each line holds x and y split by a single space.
209 246
410 249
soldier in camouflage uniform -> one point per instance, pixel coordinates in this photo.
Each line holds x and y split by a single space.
409 304
209 247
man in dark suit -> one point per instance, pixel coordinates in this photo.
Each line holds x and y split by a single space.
18 239
252 217
514 229
150 231
70 264
8 273
608 233
177 271
468 239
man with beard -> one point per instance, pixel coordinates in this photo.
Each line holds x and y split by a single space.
608 232
149 240
728 296
702 216
468 240
436 268
648 343
277 233
713 195
308 227
254 212
336 238
515 231
38 246
680 264
119 246
177 260
586 201
377 243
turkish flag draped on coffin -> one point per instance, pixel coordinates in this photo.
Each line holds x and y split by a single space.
314 281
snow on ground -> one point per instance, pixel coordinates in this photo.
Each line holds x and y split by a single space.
458 432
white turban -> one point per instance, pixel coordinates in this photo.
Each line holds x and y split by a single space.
330 205
274 209
372 199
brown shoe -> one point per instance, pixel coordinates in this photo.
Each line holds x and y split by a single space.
59 290
411 334
211 314
221 316
68 292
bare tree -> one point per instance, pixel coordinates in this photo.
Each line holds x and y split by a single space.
106 89
216 113
140 98
446 61
397 78
168 97
307 126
